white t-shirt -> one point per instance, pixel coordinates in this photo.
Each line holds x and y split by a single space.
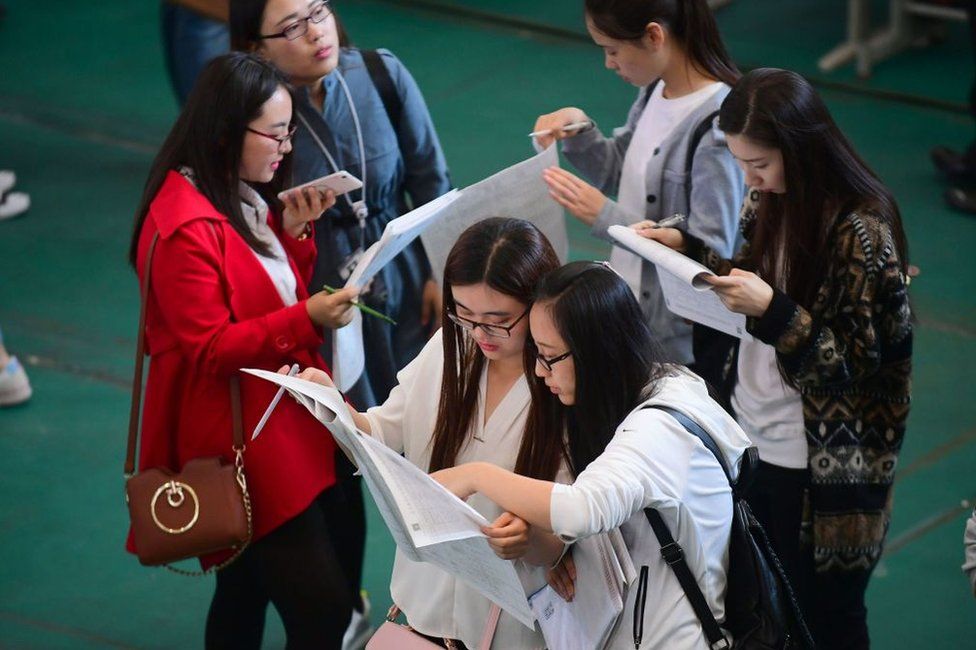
766 407
653 462
655 124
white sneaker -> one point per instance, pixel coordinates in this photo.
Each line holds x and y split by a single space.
14 387
359 630
7 180
13 204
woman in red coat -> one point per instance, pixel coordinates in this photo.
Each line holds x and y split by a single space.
228 291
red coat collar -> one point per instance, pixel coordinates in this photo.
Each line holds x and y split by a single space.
177 203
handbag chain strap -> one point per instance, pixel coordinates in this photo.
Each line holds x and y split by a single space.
136 406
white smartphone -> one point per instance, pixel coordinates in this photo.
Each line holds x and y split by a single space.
339 182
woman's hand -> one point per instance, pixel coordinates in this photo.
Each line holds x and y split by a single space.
314 375
554 123
670 237
742 292
303 206
562 577
432 301
573 193
457 480
333 310
508 536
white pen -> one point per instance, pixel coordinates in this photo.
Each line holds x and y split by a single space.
271 407
670 222
575 126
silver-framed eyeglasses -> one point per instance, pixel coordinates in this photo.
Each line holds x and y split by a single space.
299 28
280 139
490 329
549 362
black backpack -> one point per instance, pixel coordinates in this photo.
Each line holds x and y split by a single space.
761 611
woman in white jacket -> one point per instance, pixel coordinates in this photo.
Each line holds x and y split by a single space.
467 397
596 355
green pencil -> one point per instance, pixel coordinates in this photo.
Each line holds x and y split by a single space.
363 308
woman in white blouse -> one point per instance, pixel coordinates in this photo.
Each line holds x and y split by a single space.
478 365
597 356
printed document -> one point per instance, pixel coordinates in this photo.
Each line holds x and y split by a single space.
427 522
517 192
604 572
686 292
348 354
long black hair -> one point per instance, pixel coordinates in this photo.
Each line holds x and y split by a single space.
825 179
208 137
510 256
245 25
690 22
617 360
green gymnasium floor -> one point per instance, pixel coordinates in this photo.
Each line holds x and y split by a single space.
85 102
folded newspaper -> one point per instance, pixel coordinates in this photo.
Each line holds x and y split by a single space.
427 522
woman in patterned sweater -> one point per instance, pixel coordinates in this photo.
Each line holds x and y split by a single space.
823 386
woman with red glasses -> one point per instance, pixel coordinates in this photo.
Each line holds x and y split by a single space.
229 267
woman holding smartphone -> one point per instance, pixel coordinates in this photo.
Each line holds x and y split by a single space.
229 263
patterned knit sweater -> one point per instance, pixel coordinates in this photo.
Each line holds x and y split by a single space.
850 357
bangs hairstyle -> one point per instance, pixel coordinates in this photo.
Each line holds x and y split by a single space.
245 21
825 180
690 22
208 137
618 362
509 256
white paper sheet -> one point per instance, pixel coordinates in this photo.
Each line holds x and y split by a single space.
397 235
517 192
427 522
686 292
602 579
348 352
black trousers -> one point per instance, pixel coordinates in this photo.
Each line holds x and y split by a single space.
832 603
296 568
345 515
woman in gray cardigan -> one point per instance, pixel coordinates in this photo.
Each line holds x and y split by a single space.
669 158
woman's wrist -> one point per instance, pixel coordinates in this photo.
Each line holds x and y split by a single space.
300 231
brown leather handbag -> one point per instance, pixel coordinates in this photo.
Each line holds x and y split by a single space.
205 507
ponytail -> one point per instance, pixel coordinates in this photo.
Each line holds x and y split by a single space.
690 22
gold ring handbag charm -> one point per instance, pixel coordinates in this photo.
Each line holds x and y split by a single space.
175 498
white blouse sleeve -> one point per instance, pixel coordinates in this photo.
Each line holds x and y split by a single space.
646 464
386 421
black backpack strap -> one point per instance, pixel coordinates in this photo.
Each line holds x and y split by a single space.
381 78
674 555
696 430
672 552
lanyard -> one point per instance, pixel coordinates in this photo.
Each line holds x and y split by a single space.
359 208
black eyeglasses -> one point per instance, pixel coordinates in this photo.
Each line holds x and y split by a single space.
490 329
280 139
549 362
299 28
